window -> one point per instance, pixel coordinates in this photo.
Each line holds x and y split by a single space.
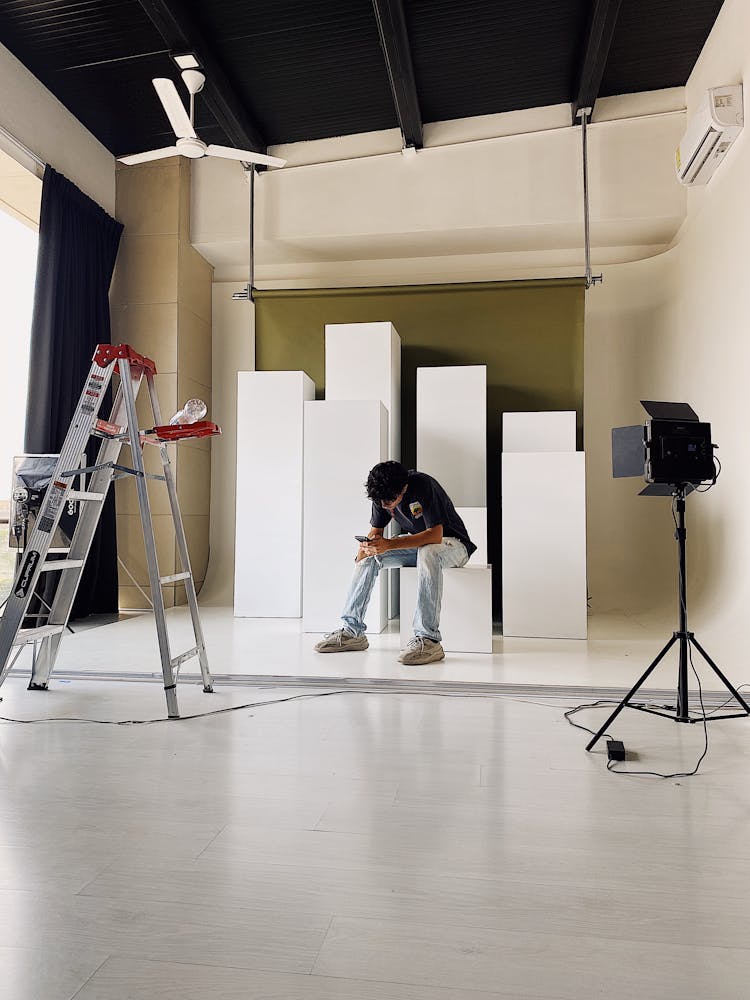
20 193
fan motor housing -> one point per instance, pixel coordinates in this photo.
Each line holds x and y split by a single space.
193 148
193 80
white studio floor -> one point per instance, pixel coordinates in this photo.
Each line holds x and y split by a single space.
389 845
617 652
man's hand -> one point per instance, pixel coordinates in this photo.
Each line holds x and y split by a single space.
375 546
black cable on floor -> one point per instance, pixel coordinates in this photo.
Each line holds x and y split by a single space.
180 718
261 704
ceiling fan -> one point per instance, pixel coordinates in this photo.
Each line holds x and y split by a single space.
188 143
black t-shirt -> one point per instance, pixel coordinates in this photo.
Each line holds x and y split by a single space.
424 505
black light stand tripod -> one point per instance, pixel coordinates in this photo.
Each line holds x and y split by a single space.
685 639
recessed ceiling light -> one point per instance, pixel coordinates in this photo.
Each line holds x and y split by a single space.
186 60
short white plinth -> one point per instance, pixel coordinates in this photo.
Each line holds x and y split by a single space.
452 430
544 545
268 553
343 440
466 613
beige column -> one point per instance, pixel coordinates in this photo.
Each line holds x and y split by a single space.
161 306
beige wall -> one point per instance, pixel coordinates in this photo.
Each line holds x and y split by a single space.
37 119
161 306
489 198
675 327
629 540
233 351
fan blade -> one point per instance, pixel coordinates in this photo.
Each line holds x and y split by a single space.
175 109
155 154
229 153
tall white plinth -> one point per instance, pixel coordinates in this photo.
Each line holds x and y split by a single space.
466 611
475 522
452 430
546 430
343 440
363 361
544 545
268 547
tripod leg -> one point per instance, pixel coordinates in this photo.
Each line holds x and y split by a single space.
654 664
719 674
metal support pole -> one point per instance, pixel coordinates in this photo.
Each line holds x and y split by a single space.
586 237
251 286
247 292
590 278
683 695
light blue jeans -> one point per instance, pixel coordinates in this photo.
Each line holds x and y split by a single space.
430 561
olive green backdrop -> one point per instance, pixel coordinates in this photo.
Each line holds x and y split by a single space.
528 333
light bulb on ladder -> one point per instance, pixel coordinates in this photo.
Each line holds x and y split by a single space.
193 411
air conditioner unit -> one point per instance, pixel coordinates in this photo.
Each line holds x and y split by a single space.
710 133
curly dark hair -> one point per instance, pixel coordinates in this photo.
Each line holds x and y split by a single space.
386 480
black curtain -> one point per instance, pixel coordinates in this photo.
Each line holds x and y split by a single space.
78 244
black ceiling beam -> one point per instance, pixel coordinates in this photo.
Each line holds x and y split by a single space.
598 43
178 29
394 40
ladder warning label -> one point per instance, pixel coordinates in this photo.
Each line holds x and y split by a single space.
107 429
27 573
91 393
54 499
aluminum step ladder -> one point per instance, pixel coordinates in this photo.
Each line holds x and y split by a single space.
120 429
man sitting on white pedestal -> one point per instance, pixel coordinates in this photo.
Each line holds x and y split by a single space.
435 539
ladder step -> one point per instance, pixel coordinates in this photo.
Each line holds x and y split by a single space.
177 660
25 635
174 578
54 564
85 495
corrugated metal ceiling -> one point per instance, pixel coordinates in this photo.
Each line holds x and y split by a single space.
308 69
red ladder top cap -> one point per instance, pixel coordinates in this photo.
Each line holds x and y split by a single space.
105 354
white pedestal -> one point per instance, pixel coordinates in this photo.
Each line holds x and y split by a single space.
475 520
452 430
343 440
547 430
268 553
363 361
544 545
466 612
